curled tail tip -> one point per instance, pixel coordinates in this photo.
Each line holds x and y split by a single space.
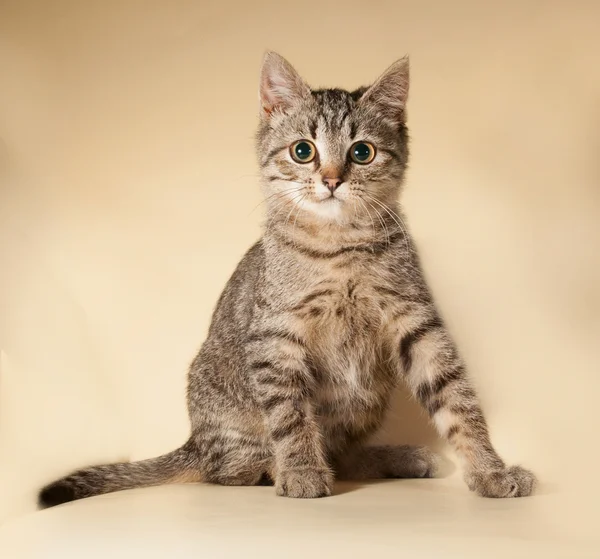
107 478
56 493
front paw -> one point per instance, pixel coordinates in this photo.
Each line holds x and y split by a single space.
509 482
307 483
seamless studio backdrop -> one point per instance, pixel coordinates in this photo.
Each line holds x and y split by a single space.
129 192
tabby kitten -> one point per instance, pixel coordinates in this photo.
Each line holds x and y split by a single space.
321 319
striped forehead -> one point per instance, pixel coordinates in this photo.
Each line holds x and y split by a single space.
334 115
333 123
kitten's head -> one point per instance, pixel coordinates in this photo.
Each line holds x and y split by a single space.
330 155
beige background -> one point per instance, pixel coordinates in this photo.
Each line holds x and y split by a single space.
128 183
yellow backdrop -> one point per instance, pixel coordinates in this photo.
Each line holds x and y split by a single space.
129 192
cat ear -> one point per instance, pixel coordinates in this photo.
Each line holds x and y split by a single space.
390 92
281 87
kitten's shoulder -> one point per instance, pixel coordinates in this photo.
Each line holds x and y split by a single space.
255 256
234 307
250 267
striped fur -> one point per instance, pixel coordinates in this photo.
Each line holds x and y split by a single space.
321 319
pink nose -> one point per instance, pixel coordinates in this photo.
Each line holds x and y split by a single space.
332 184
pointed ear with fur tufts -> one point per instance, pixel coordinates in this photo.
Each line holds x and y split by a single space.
390 92
281 87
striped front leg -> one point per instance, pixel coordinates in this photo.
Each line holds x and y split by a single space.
283 384
437 377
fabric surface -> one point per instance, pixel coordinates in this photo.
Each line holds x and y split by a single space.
128 194
424 519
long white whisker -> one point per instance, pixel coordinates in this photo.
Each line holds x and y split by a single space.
397 219
281 204
296 218
382 221
289 215
368 213
278 195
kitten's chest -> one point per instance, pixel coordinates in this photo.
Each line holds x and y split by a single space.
340 312
345 321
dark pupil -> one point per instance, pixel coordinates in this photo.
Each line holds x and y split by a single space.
362 152
303 150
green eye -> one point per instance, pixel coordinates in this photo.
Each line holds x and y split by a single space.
362 153
303 151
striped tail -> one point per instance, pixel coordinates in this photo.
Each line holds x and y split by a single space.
178 466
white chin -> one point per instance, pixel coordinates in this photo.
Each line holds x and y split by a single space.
330 209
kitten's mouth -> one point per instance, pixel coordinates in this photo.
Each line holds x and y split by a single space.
329 199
